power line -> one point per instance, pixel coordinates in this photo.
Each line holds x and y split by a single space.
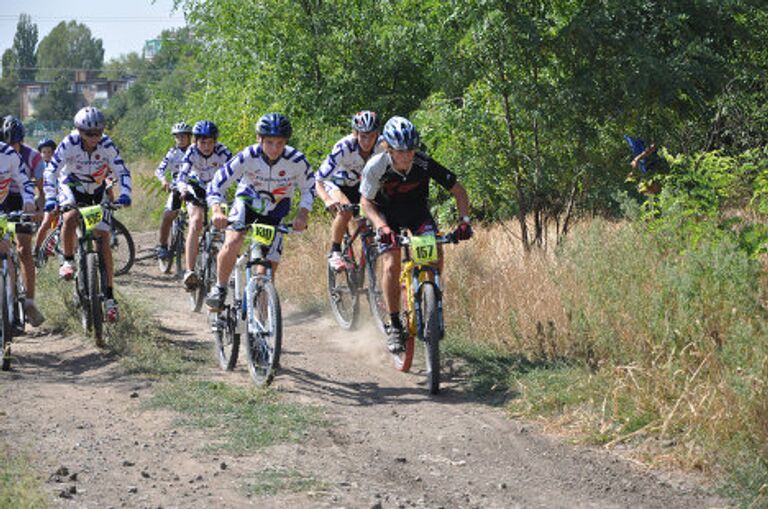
99 19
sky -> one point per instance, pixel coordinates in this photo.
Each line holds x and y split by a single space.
122 25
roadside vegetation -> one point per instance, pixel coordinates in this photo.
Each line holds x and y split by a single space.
19 485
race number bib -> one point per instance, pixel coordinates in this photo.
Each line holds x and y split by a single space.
263 234
424 249
92 216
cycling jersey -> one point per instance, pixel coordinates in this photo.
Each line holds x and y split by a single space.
73 170
263 188
171 162
197 167
344 165
403 193
14 171
33 160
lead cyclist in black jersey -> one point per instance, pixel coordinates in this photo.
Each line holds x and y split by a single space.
394 194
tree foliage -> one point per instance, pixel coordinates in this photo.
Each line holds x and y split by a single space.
66 48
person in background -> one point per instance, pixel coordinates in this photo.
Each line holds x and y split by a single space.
171 164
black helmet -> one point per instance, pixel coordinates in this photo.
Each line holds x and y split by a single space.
13 130
46 142
274 124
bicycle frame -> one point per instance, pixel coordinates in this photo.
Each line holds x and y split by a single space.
412 278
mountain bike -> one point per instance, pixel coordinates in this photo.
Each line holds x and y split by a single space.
345 286
422 302
91 274
121 243
209 244
253 312
13 294
177 244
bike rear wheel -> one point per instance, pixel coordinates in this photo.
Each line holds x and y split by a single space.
94 298
227 338
81 293
431 335
376 303
343 295
123 248
404 359
265 331
197 295
6 329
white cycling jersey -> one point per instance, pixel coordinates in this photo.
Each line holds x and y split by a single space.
14 171
172 162
196 166
72 168
264 188
344 165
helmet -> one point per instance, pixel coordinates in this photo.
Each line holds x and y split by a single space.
274 124
13 130
89 118
46 142
181 128
400 134
205 129
365 121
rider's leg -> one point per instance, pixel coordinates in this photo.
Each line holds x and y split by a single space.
68 233
165 226
24 242
390 280
196 214
49 218
225 262
106 254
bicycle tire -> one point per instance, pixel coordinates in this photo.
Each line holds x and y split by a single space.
430 323
179 246
197 295
265 332
166 264
51 246
6 329
227 339
123 248
81 293
378 307
94 298
404 359
343 295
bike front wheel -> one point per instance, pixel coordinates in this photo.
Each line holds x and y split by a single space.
265 331
94 298
6 328
123 248
430 322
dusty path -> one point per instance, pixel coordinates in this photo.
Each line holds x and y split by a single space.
387 444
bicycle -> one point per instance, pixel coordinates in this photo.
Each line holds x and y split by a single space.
91 274
209 244
177 244
254 310
121 243
13 294
345 286
422 302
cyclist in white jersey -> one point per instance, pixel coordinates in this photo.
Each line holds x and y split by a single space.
171 163
269 174
76 177
13 135
200 163
338 179
17 194
46 146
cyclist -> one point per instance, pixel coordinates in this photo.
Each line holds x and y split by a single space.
269 174
200 163
17 194
13 135
338 179
172 163
46 146
76 177
394 191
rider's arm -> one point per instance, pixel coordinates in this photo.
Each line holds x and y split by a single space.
20 175
51 173
217 187
370 182
160 171
462 199
119 169
371 211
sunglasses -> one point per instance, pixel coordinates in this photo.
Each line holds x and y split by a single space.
92 134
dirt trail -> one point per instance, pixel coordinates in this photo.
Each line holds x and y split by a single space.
388 444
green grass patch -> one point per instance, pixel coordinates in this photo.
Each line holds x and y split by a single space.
20 488
276 479
136 338
245 419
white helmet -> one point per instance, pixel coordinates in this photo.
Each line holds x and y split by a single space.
89 118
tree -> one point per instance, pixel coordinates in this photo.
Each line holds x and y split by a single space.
68 47
24 43
59 103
